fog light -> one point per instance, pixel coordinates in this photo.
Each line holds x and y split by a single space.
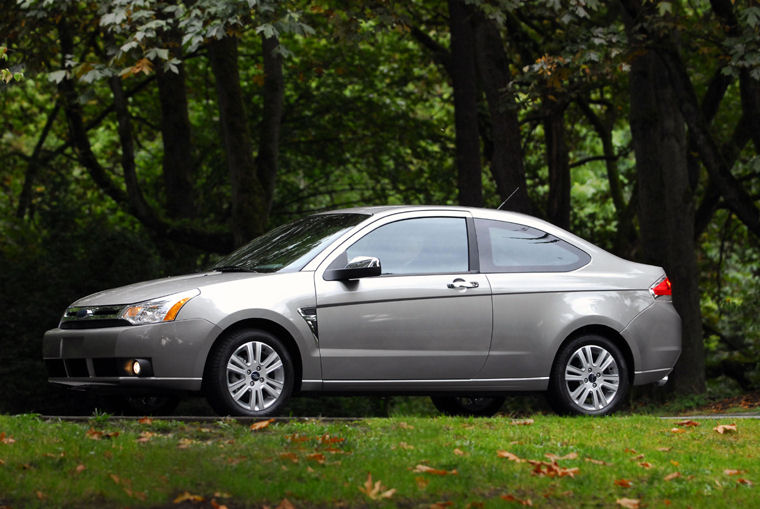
136 368
133 367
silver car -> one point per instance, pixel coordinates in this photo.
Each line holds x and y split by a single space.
463 304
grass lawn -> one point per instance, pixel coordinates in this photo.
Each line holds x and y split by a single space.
418 461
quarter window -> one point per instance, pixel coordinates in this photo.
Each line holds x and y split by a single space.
511 247
430 245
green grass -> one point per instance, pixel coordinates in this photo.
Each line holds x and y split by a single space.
61 464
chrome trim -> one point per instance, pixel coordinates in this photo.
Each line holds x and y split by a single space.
309 314
666 370
119 378
83 313
455 380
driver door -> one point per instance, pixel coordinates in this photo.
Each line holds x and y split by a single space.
427 317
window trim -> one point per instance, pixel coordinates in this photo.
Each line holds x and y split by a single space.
489 268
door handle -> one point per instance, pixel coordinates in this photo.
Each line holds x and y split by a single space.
459 284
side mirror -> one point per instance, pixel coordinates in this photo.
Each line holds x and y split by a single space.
361 266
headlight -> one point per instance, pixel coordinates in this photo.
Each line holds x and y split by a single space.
162 309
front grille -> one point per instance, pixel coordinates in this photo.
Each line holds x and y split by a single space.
76 367
94 324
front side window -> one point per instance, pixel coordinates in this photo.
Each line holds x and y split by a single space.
430 245
511 247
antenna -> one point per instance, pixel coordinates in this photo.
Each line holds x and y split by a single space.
508 197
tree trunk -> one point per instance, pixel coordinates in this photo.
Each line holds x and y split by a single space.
666 202
463 77
558 161
249 204
178 163
269 141
507 165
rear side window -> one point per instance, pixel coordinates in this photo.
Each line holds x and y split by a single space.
429 245
511 247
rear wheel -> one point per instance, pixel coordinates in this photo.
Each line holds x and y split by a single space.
250 373
589 377
477 406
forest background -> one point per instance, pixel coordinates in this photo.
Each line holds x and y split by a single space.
141 138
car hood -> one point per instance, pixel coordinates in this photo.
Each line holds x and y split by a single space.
146 290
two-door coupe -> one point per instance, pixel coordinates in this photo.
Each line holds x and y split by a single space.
463 304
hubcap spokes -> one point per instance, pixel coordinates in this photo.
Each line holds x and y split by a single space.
255 376
592 377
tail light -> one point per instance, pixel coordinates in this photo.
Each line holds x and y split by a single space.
661 288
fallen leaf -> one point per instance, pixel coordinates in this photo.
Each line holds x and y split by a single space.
645 464
509 456
80 468
2 462
543 468
114 478
632 451
6 439
145 420
725 428
217 505
41 495
730 471
234 460
285 504
512 498
221 494
297 438
639 457
421 482
597 462
459 452
404 445
745 482
554 457
145 436
424 469
94 434
687 423
188 497
674 463
404 425
623 483
327 439
318 457
289 456
628 503
664 449
441 505
521 422
672 476
376 491
677 430
261 424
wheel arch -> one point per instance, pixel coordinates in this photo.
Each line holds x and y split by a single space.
271 327
607 332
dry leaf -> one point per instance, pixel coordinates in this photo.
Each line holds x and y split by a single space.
623 483
41 495
459 452
543 468
672 476
441 505
327 439
285 504
632 451
145 420
261 424
725 428
677 430
509 456
6 439
145 436
554 457
521 422
745 482
184 443
645 464
404 445
80 468
674 463
217 505
424 469
597 462
664 449
628 503
318 457
289 456
730 471
512 498
421 482
188 497
376 491
114 478
297 438
404 425
687 423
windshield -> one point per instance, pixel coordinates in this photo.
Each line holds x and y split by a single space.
289 247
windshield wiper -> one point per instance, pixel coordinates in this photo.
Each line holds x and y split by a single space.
232 268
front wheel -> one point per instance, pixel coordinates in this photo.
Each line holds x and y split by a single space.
250 373
476 406
589 377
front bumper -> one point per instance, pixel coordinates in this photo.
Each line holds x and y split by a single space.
90 358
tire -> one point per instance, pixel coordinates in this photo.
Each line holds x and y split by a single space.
590 377
249 373
476 406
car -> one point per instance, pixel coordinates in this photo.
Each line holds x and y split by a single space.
462 304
